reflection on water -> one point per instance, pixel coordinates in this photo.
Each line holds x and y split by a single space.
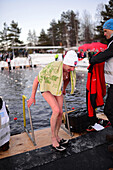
19 82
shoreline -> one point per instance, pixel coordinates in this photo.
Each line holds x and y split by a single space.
37 59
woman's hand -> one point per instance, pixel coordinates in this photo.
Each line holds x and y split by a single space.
31 101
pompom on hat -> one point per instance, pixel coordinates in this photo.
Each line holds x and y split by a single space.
71 58
108 24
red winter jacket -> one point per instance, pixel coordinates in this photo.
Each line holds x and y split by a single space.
96 88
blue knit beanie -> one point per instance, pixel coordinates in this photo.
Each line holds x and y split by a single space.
108 24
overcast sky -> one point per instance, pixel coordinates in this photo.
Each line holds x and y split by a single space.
37 14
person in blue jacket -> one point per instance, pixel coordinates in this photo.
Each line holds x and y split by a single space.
107 56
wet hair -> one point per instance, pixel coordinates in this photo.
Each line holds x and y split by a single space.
1 103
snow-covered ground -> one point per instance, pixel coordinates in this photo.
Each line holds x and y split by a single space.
41 59
36 59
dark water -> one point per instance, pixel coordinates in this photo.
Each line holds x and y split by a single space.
19 82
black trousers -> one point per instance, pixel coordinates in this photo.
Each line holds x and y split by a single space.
108 109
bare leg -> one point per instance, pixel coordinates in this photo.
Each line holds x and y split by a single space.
59 120
51 100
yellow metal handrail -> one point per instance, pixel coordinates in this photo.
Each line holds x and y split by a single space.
24 116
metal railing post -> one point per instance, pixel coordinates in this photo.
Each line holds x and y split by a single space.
24 116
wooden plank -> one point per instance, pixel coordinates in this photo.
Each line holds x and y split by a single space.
21 143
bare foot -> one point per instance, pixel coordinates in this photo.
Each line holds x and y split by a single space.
54 142
58 138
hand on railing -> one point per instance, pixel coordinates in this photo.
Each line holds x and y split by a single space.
31 101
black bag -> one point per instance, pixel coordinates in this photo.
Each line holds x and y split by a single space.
78 120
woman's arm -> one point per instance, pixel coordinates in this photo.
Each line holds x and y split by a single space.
66 81
34 88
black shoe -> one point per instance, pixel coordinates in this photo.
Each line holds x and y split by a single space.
109 138
110 148
63 141
59 148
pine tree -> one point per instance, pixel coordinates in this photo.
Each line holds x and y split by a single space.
3 38
10 36
106 14
61 33
34 38
43 39
53 32
30 38
14 34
